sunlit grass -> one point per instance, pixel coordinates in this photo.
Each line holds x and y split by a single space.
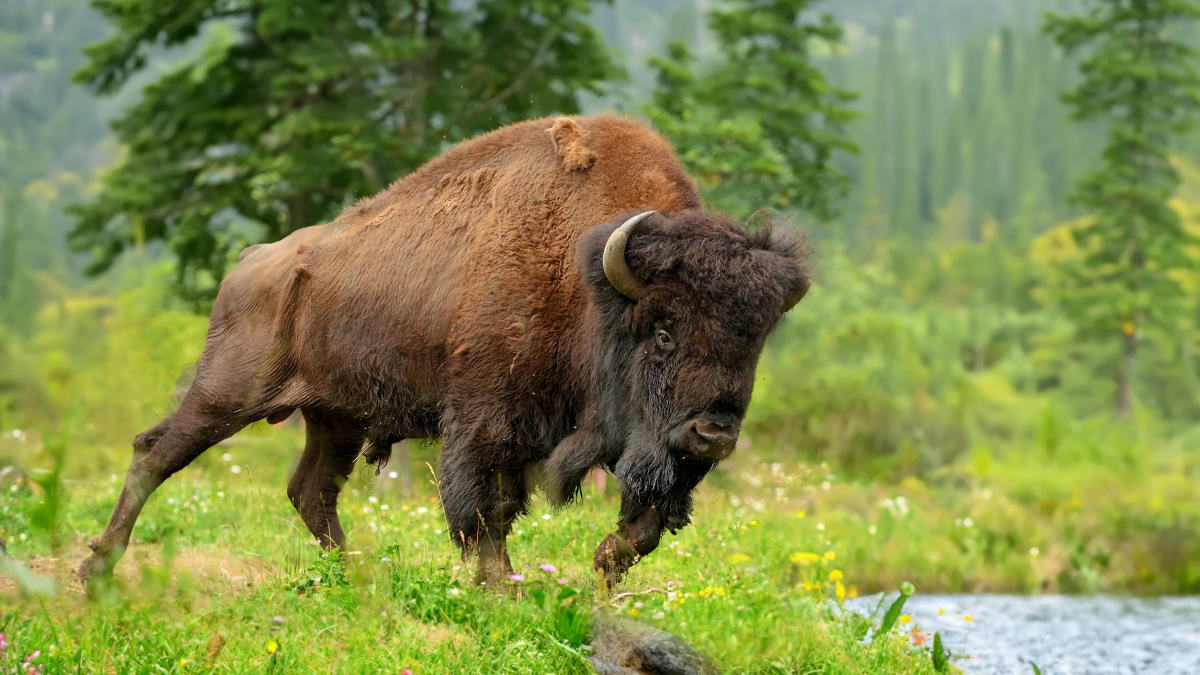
221 576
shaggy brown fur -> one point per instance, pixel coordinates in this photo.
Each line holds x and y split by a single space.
468 301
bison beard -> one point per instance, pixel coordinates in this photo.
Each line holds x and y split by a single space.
506 297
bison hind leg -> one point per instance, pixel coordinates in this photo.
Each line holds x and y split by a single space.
158 453
331 447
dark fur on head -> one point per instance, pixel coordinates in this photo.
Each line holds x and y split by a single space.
718 289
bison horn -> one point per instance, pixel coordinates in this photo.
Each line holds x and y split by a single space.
616 268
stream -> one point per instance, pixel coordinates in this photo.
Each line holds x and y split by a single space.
1063 635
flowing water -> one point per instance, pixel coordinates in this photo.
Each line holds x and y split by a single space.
1062 635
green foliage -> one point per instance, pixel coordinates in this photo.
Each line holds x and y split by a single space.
293 109
940 661
762 127
892 615
1140 76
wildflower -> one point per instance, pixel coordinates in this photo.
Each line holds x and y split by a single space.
753 523
226 457
835 575
799 514
393 475
968 618
1033 551
545 516
3 643
406 671
918 636
821 526
562 582
804 558
830 555
905 618
272 647
941 611
638 604
739 558
548 568
635 611
840 591
235 469
517 577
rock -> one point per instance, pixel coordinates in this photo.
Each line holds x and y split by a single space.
622 646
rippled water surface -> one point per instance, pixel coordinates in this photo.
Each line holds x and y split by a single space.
1063 635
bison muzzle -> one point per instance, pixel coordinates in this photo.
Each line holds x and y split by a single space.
547 298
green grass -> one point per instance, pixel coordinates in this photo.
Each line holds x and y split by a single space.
221 572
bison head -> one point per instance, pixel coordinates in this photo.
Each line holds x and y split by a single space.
685 303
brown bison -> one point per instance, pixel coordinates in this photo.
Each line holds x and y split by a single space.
506 298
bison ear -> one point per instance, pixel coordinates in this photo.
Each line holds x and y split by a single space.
796 275
570 144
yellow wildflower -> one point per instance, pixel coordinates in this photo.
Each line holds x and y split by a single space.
739 558
753 523
968 618
941 611
835 575
272 647
804 557
905 618
635 611
799 514
840 590
830 555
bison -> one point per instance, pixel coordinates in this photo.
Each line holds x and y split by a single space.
547 297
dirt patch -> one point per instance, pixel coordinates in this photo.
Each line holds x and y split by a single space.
207 569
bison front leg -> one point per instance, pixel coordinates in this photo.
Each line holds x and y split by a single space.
637 534
480 508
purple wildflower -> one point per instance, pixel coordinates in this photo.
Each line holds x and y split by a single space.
548 568
517 577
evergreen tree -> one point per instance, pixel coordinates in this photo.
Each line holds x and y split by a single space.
1141 78
293 108
762 126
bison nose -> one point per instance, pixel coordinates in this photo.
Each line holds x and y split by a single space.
712 439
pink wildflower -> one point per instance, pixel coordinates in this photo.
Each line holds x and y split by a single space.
563 582
548 568
517 577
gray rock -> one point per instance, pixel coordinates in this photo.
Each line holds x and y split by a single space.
622 646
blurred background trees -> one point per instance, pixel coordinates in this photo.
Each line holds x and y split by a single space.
966 307
290 109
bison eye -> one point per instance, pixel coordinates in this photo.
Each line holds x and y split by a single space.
664 341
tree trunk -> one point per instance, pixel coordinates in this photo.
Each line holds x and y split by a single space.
1125 374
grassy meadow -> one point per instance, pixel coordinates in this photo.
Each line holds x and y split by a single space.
221 575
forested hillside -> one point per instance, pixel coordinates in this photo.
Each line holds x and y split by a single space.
938 341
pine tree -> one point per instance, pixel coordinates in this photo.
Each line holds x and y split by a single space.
293 108
762 126
1140 77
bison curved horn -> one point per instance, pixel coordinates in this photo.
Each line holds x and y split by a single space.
616 268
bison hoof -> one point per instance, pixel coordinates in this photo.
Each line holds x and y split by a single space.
95 572
613 558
